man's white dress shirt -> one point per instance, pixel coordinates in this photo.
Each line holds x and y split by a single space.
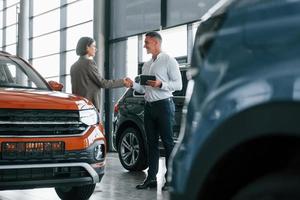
166 69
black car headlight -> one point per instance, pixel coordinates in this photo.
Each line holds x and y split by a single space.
89 116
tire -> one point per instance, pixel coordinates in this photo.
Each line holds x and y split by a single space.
131 149
272 187
75 193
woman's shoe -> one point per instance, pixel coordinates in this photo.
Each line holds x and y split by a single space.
165 187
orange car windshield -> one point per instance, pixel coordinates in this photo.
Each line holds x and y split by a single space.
14 73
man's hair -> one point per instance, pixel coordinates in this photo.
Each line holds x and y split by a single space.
155 35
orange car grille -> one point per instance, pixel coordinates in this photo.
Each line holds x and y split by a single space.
40 122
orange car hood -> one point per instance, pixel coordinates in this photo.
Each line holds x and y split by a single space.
41 99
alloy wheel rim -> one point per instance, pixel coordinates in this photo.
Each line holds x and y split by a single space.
130 149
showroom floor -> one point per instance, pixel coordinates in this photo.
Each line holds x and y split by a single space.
117 184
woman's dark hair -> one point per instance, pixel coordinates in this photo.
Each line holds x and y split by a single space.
82 44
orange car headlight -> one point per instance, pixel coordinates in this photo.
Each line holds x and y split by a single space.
89 116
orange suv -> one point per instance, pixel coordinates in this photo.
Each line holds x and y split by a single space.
48 138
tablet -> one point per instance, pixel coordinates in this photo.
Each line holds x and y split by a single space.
145 78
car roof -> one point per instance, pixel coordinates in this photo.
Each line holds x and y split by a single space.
5 53
217 9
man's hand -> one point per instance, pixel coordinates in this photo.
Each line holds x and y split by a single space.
156 83
128 82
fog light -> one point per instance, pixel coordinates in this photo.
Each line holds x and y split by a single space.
99 152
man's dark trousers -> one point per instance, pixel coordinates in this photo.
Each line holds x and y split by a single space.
159 120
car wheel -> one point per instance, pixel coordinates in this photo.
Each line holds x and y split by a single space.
75 193
131 149
272 187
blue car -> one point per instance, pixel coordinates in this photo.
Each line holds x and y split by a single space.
240 135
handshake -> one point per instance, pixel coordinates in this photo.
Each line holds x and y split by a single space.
153 83
127 82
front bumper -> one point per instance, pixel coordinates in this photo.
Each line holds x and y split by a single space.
73 168
49 175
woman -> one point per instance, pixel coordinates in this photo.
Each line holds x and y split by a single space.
85 78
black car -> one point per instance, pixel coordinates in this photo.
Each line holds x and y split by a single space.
129 133
241 138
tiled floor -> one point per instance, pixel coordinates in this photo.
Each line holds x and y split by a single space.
117 184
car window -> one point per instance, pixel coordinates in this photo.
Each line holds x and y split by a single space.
12 74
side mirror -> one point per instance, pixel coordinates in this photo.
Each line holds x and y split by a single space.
55 85
137 79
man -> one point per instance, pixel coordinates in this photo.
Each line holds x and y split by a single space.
159 106
85 78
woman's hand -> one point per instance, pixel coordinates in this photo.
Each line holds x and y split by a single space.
128 82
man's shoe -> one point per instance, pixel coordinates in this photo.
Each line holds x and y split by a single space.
148 183
165 187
